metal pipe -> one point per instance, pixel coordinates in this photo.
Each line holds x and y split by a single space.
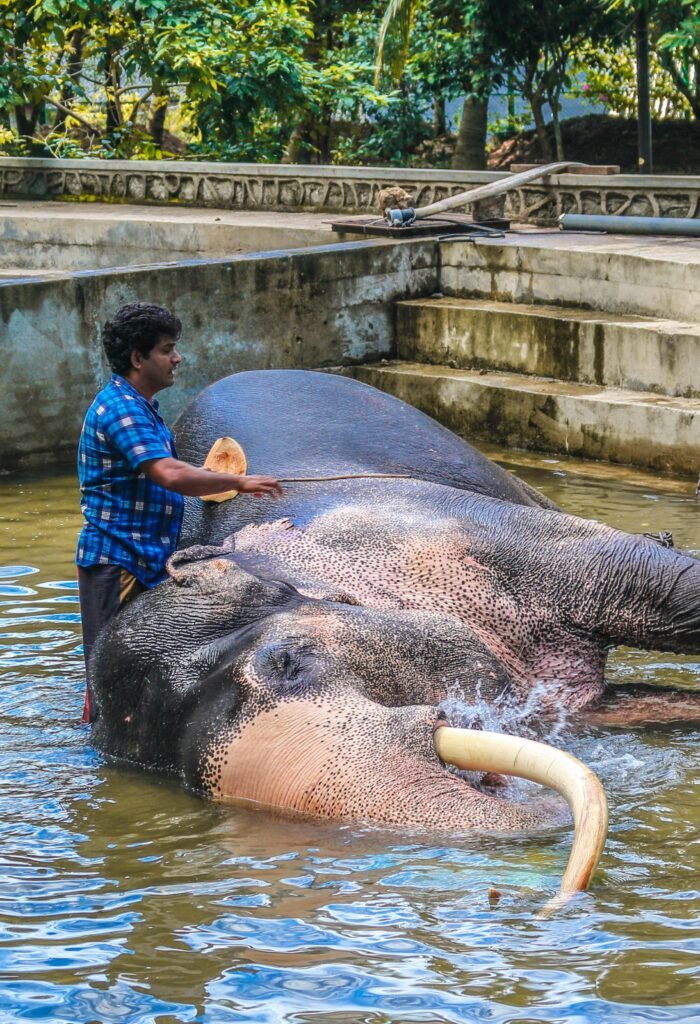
688 226
494 188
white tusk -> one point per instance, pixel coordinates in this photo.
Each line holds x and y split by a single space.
472 750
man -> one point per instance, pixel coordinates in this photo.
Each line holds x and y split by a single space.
131 480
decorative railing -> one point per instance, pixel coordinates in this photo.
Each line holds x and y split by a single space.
342 190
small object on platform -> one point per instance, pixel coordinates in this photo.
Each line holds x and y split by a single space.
225 456
398 218
587 169
376 226
395 198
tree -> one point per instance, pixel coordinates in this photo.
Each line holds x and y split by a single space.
316 80
239 71
675 30
536 43
607 74
456 63
33 48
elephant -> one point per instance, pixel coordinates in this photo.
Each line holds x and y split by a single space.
300 653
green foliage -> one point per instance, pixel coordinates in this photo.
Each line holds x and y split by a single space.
608 75
392 132
344 80
240 71
674 30
384 120
442 42
677 31
537 41
243 73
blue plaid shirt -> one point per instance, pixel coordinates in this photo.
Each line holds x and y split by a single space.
129 520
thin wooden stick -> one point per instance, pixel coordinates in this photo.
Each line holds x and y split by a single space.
345 476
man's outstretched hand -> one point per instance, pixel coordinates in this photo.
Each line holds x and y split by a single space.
259 485
193 482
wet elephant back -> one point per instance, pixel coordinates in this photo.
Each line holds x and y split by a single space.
298 423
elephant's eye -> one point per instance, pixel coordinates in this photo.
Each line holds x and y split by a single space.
286 664
286 668
283 667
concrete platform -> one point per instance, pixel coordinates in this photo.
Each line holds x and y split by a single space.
635 428
60 237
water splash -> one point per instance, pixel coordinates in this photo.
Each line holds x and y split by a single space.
508 714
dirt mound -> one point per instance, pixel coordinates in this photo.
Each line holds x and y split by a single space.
600 139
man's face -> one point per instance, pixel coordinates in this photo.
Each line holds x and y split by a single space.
157 369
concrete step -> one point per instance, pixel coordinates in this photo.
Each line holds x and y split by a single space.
631 427
614 349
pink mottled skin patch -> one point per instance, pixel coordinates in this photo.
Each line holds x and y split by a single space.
404 563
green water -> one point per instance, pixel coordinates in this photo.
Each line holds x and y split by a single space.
124 899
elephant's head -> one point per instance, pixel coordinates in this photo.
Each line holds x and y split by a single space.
257 694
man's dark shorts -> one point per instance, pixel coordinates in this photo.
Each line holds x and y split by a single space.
104 589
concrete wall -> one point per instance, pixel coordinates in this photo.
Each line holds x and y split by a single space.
340 190
322 306
334 305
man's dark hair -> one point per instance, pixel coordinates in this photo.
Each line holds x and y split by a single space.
137 326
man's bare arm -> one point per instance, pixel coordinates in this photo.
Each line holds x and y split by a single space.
175 475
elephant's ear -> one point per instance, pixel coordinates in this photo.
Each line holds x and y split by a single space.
185 566
236 591
230 566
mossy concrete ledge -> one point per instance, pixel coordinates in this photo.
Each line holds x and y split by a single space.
586 346
310 308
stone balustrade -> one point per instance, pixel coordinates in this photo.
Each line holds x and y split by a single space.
342 190
278 187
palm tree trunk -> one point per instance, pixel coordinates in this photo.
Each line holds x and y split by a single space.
158 108
470 151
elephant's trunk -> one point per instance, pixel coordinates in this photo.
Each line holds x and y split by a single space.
650 596
512 755
601 583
